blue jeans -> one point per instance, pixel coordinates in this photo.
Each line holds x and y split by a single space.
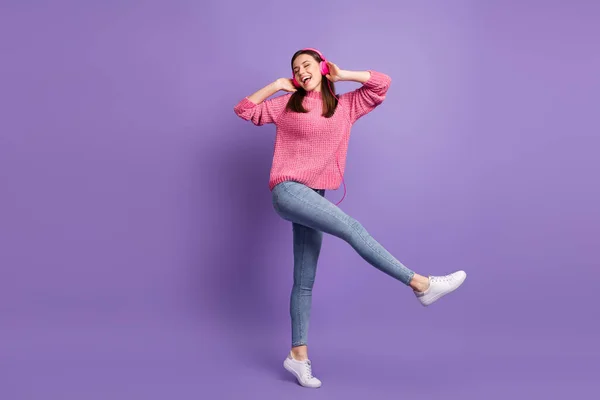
312 214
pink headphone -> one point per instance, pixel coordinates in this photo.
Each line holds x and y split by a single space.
322 66
324 71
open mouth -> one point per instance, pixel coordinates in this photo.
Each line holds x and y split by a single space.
306 80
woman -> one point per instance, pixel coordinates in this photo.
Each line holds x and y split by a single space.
313 128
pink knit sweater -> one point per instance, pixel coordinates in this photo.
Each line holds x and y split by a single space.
310 148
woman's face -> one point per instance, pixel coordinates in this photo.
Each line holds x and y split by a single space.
307 72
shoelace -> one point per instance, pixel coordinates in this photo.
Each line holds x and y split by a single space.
444 278
308 370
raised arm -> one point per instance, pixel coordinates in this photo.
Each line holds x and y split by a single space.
260 111
364 99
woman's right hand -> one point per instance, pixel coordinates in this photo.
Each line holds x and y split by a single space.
286 84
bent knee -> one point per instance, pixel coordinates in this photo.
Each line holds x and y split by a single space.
354 229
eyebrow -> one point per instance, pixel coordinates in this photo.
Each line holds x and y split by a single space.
303 62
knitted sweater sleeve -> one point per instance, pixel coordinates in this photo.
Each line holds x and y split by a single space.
364 99
266 112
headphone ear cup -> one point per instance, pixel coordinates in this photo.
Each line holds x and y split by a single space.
295 82
324 68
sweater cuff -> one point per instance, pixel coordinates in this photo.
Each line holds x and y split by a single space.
247 103
378 79
243 105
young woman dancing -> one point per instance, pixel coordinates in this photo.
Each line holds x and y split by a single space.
312 133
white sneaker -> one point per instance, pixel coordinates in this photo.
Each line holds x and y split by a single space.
302 370
440 286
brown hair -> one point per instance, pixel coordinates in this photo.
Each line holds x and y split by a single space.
329 100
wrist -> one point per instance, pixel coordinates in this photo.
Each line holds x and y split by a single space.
277 85
345 75
357 76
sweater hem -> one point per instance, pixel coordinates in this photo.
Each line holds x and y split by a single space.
320 183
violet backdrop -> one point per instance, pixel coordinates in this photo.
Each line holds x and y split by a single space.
141 257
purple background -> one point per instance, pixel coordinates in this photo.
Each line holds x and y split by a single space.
141 256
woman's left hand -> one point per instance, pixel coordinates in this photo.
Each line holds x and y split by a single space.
335 73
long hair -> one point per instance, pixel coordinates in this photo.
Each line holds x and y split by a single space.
329 100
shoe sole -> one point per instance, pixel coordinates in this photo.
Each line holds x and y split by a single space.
293 372
440 295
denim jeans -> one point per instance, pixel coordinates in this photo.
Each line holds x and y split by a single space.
312 214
